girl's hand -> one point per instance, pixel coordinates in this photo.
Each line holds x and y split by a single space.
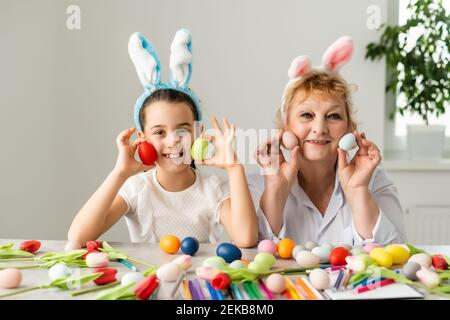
358 172
275 167
224 155
126 164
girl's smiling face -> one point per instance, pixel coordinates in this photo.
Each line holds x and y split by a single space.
318 121
170 128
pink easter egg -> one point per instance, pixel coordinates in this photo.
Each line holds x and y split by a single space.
368 247
97 260
276 283
268 246
10 278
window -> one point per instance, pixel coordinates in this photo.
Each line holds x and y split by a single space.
402 121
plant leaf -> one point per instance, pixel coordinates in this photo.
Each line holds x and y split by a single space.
115 293
73 282
414 250
14 253
7 246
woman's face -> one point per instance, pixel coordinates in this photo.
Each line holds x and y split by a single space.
318 121
170 128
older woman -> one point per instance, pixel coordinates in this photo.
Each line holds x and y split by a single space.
318 194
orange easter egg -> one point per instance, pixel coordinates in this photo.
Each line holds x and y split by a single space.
285 247
169 244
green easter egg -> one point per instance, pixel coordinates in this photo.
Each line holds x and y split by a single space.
266 258
199 149
214 262
258 266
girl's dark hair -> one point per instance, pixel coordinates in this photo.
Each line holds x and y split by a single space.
168 95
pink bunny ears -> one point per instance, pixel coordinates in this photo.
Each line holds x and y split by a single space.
333 59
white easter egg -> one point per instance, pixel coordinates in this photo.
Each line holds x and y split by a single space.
297 249
347 142
289 140
276 283
428 277
58 271
130 277
421 258
10 278
237 264
306 259
97 260
320 279
168 272
310 245
323 253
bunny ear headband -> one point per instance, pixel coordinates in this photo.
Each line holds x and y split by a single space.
333 59
148 68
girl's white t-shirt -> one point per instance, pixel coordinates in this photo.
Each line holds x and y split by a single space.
154 212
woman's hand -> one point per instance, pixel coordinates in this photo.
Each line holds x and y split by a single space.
224 155
126 164
276 169
358 172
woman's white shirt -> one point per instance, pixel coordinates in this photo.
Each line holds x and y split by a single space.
303 222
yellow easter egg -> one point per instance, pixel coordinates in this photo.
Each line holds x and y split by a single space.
399 254
285 247
381 257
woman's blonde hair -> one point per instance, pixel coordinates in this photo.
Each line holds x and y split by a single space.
317 81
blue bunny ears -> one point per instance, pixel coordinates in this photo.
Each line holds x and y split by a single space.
148 68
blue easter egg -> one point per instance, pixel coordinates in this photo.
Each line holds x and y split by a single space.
189 246
229 252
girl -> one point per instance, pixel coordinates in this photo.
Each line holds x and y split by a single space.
171 197
318 195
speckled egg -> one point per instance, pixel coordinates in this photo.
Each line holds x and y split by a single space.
322 252
258 266
410 269
268 246
237 264
320 279
214 262
229 252
421 258
266 258
97 260
168 272
10 278
306 259
368 247
59 270
297 249
289 140
276 283
310 245
130 277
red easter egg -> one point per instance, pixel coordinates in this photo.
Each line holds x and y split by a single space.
147 153
338 255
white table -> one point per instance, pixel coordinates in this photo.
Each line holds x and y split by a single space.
150 253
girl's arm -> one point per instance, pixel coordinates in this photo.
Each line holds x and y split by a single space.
105 207
237 213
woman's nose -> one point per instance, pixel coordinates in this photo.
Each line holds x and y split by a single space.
319 126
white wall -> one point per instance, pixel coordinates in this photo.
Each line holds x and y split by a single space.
65 94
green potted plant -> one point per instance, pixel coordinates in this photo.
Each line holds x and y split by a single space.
419 73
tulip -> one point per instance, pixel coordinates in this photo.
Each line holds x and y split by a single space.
30 246
221 281
439 262
93 245
428 277
184 262
144 289
206 273
108 275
